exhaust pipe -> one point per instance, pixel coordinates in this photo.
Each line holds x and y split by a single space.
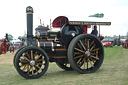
29 11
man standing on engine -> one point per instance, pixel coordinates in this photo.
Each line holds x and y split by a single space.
94 31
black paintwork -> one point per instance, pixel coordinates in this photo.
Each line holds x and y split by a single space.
29 11
66 33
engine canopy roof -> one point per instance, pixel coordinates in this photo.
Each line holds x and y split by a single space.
61 20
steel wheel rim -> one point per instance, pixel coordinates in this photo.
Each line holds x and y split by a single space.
86 53
32 63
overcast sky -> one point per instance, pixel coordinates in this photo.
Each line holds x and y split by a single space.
13 14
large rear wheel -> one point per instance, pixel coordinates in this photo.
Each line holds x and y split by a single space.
31 62
85 53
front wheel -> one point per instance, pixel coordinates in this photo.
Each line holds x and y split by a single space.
85 53
31 62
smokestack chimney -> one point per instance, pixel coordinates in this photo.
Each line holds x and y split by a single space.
6 37
29 11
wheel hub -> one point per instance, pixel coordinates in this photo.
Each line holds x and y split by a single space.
87 53
32 62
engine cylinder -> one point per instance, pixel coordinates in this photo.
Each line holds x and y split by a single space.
49 45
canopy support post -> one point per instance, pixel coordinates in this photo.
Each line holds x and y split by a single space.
99 31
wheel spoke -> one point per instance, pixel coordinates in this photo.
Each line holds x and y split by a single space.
93 47
38 57
40 63
94 50
82 62
84 65
95 57
82 44
39 60
79 50
90 62
79 46
93 53
35 54
96 54
37 66
87 63
27 67
78 56
28 55
24 67
31 55
36 69
29 70
25 58
32 71
21 61
91 44
91 59
79 61
85 42
88 44
77 53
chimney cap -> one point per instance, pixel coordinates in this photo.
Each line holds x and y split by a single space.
29 9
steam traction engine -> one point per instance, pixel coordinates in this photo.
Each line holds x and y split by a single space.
4 45
125 43
70 48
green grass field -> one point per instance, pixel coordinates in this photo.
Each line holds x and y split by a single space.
114 71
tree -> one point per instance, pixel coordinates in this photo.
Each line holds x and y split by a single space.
9 37
114 36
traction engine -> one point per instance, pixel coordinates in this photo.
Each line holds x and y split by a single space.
125 43
70 48
4 45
